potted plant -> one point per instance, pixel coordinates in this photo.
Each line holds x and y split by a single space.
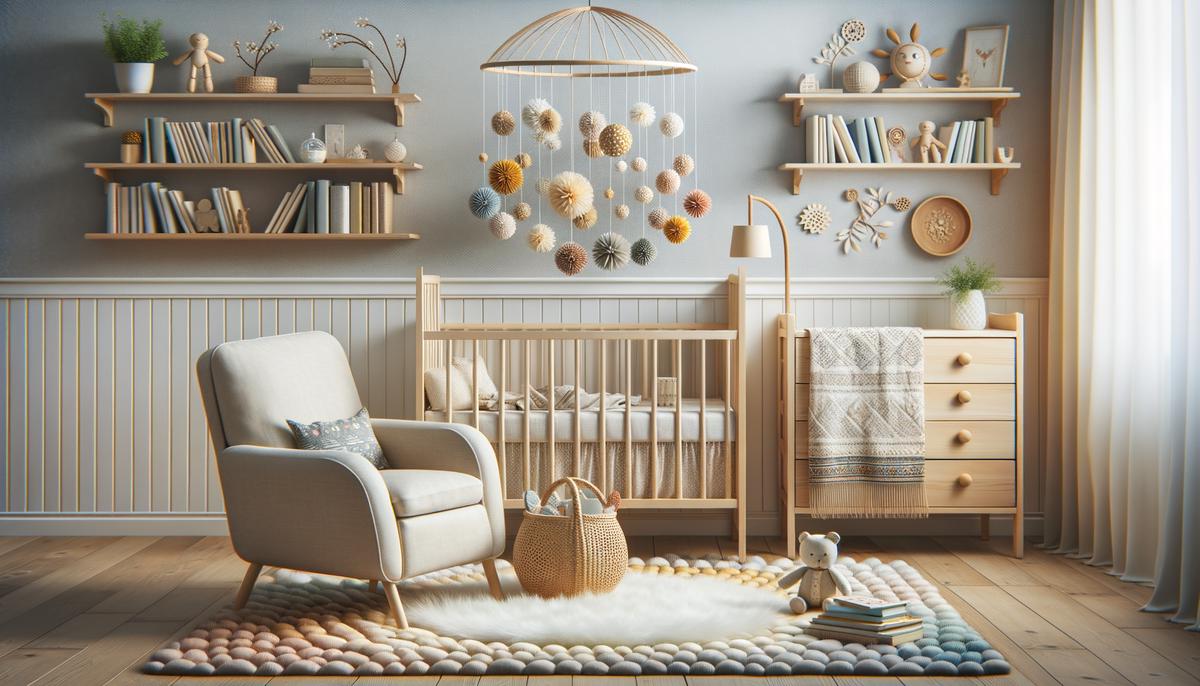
255 83
966 285
134 48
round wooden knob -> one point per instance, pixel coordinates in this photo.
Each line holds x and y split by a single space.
964 480
963 397
964 436
964 359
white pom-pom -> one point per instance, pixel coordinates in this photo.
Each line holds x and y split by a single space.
643 194
667 181
533 110
622 165
541 238
621 211
638 164
542 185
592 123
503 226
642 114
570 194
611 251
552 142
671 125
657 217
684 164
522 211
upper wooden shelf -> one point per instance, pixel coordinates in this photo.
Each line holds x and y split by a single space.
107 102
998 98
998 170
398 169
252 236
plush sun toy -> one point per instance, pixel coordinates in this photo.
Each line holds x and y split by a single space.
911 61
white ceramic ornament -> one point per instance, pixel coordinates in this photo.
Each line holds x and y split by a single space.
395 151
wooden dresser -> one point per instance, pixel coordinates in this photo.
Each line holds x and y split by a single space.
973 423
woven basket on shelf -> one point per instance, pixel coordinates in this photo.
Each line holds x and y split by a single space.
566 556
256 84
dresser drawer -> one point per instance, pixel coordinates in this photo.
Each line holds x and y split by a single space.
956 402
951 440
950 483
947 360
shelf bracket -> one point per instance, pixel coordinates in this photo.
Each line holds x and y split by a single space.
797 177
399 104
798 112
998 106
104 174
108 107
399 174
997 176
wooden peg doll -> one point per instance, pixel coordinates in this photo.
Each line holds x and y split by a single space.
928 144
200 57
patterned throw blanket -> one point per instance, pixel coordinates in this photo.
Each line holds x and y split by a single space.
866 423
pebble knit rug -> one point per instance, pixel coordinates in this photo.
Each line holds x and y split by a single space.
306 624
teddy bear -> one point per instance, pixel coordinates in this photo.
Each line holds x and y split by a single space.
815 573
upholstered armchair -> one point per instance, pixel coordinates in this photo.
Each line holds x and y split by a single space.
333 512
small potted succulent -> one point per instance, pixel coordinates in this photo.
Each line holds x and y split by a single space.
134 48
966 284
258 51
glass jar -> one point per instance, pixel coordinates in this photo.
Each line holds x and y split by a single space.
312 150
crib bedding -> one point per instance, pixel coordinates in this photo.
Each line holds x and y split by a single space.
589 423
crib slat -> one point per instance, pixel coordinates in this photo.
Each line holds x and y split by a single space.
703 424
551 445
645 367
500 429
525 444
728 362
475 383
654 419
449 386
628 418
676 354
578 385
603 454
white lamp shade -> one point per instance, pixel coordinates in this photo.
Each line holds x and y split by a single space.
750 241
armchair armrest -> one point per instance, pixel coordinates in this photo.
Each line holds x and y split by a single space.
323 511
450 447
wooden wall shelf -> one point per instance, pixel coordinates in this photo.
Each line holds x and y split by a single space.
252 236
998 99
107 102
998 170
105 170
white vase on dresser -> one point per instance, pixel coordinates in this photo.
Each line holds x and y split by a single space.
968 312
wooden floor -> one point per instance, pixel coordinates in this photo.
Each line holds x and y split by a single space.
83 611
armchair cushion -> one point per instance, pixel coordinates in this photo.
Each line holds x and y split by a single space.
416 492
352 434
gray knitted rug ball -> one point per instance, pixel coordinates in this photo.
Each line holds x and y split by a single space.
305 624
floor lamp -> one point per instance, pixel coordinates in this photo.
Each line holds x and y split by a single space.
754 240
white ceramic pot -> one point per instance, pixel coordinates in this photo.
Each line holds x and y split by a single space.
134 77
968 312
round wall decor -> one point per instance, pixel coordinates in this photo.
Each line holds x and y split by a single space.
941 225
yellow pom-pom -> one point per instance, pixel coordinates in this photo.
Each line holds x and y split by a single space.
483 157
505 177
586 220
609 193
550 121
677 229
591 148
615 140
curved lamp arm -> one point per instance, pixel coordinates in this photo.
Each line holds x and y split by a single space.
787 266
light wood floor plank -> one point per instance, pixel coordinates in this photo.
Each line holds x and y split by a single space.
1059 572
109 656
659 680
1078 668
936 563
23 666
1001 570
1123 612
34 623
1175 644
1024 626
10 543
1135 592
685 546
504 680
30 562
547 680
147 576
81 631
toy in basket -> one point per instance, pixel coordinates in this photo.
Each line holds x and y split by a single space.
581 551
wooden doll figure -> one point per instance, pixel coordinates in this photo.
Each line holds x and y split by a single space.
200 55
928 144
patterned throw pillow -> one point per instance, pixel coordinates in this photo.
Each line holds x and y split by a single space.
352 435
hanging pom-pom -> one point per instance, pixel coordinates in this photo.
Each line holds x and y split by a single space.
697 203
667 181
503 226
611 251
533 111
671 125
615 140
541 238
570 194
684 164
570 258
643 194
483 158
591 148
586 220
522 211
505 177
523 159
542 186
592 123
552 142
642 114
621 211
622 166
485 203
503 123
550 121
677 229
609 193
643 252
638 164
657 217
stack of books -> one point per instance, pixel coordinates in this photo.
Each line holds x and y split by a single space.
339 75
968 141
153 208
235 141
829 138
867 620
322 207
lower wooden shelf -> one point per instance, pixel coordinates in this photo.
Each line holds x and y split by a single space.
105 170
252 236
998 170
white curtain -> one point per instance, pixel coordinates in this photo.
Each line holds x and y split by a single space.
1122 474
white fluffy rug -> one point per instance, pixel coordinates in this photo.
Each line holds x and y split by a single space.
643 609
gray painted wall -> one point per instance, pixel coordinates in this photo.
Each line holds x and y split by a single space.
748 53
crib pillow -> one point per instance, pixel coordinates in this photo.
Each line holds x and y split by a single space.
460 378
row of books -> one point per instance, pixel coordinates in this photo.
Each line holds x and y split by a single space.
322 207
971 140
830 138
235 141
338 75
153 208
867 620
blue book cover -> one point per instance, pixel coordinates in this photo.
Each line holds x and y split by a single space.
146 140
237 140
873 139
322 225
852 152
948 153
961 143
172 151
156 198
861 141
978 153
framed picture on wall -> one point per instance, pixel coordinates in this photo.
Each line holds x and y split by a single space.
984 49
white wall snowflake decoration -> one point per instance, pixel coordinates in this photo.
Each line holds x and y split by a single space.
814 218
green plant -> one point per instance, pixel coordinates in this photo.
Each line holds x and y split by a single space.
127 40
970 276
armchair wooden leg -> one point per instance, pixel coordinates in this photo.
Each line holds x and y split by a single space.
393 596
371 584
493 579
247 586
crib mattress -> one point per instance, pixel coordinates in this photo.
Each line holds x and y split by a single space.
589 423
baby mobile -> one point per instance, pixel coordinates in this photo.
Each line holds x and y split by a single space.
589 112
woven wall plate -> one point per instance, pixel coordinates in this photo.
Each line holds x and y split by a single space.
941 225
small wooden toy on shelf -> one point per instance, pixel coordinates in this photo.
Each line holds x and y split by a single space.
928 144
201 58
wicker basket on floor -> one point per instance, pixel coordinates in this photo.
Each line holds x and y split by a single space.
580 553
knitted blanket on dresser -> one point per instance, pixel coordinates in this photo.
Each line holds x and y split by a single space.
866 422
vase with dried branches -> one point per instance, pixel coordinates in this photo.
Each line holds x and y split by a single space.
257 51
337 39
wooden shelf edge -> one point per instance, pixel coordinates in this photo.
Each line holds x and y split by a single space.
398 170
997 170
107 102
252 236
998 99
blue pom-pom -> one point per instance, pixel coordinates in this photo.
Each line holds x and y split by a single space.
485 203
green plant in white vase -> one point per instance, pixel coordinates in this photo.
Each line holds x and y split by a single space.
134 48
966 284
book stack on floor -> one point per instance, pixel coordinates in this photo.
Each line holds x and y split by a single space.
322 207
829 138
970 141
339 75
153 208
235 141
867 620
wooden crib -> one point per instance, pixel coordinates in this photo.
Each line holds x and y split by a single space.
664 455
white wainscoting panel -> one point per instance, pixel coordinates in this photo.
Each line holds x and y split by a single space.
102 420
